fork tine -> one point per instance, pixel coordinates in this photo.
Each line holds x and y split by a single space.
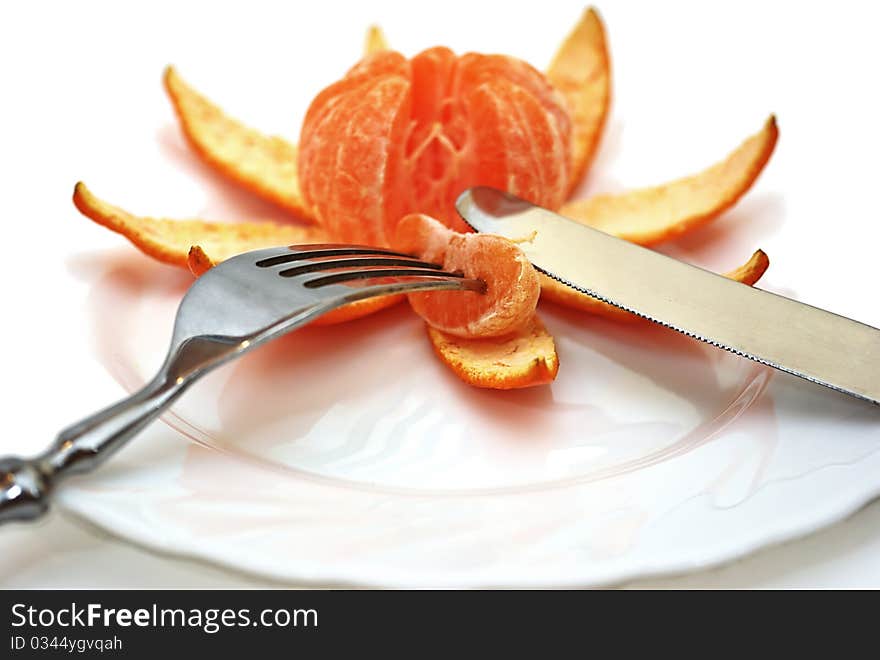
303 252
375 273
231 309
413 284
332 264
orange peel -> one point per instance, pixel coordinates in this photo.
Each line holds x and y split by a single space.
198 245
357 310
198 261
263 164
525 358
581 71
581 78
375 40
651 215
170 240
751 271
554 291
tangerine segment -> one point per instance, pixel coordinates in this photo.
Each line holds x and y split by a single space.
348 135
424 236
522 359
651 215
265 165
398 136
375 40
478 120
199 262
554 291
512 285
170 240
581 70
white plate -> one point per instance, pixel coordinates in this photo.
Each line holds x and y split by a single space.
348 455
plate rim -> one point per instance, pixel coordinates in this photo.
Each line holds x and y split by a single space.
846 504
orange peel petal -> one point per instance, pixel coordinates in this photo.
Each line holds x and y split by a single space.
651 215
198 245
174 242
170 240
752 270
358 309
263 164
375 40
581 71
198 261
554 291
523 359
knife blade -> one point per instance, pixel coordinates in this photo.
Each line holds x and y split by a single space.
806 341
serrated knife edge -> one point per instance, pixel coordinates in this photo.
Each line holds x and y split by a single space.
820 346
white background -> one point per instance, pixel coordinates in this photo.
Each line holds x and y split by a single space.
82 100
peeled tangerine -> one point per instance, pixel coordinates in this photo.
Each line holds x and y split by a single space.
398 136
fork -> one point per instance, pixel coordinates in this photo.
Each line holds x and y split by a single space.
236 306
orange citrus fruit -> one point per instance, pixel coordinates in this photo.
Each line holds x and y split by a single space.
512 285
398 136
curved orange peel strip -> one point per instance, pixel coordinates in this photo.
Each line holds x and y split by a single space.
198 261
357 310
554 291
581 70
199 245
375 40
522 359
651 215
169 240
264 164
752 270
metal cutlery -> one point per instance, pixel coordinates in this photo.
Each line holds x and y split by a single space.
820 346
257 296
236 306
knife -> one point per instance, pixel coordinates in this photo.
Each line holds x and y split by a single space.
806 341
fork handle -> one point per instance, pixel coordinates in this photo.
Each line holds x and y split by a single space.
26 483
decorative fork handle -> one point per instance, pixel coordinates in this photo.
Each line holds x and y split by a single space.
25 484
